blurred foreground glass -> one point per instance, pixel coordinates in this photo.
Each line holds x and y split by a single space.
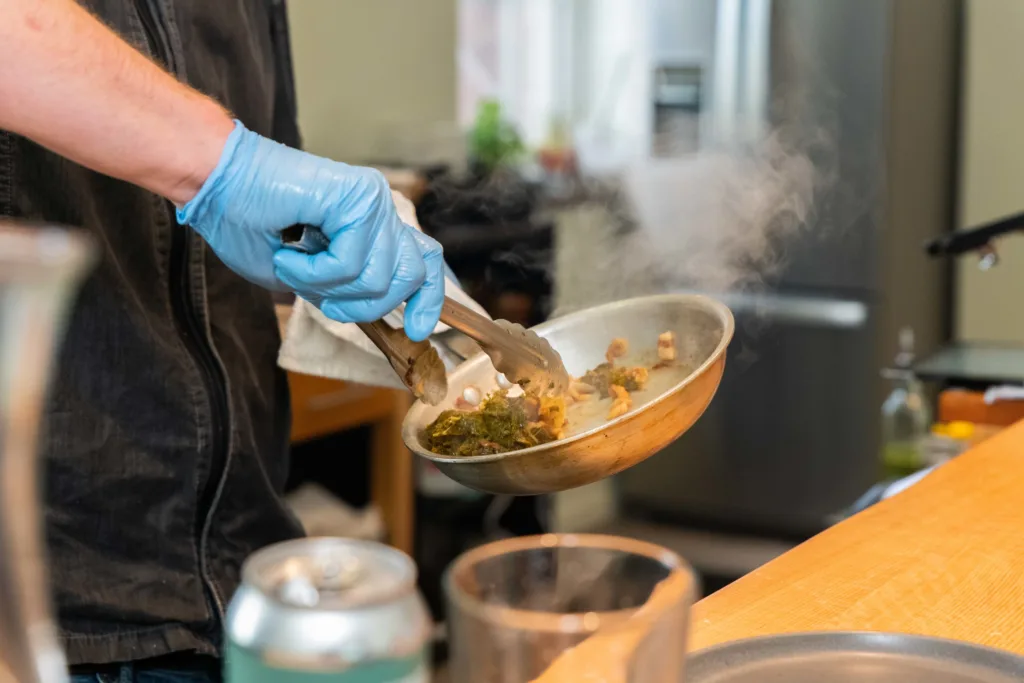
568 608
40 268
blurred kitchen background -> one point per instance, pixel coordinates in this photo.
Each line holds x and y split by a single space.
789 156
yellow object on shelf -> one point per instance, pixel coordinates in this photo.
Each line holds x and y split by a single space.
959 430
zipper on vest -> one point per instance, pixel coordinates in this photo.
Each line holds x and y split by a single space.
193 332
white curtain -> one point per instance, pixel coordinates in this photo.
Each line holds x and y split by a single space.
586 62
617 123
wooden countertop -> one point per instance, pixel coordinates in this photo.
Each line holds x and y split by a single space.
944 558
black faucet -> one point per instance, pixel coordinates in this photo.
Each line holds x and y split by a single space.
977 239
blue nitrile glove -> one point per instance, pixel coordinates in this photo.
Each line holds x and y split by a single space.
374 262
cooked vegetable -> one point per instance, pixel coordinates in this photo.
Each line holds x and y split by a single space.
506 423
501 424
606 375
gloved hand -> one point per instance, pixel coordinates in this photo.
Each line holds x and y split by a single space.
374 262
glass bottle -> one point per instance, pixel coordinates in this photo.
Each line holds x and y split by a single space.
906 417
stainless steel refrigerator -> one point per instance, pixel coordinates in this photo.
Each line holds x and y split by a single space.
793 434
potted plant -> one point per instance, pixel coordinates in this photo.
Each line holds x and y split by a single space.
493 142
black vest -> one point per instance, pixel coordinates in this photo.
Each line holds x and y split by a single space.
166 433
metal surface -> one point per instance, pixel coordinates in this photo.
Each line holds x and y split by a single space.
811 311
785 444
39 270
973 364
789 68
793 435
703 328
319 606
852 658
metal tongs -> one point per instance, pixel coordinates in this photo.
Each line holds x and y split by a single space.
523 356
520 354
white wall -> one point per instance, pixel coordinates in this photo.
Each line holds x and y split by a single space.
989 304
374 77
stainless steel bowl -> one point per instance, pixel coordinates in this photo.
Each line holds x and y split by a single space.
673 401
851 657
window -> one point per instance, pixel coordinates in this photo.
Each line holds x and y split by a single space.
584 62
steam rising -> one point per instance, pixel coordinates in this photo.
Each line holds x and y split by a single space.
715 221
719 219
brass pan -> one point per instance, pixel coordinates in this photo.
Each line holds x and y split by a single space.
673 400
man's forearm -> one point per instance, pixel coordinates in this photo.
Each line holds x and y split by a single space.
70 84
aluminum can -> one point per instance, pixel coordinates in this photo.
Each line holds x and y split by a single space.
329 610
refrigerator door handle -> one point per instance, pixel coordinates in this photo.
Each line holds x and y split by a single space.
808 311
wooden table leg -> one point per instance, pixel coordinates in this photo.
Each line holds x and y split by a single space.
392 476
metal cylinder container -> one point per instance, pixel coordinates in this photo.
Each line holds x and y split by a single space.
328 609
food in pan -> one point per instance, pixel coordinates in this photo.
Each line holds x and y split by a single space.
666 348
506 421
622 402
502 423
617 349
605 376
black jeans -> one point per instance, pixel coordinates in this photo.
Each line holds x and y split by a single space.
129 675
155 672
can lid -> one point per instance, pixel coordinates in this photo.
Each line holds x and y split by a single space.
330 573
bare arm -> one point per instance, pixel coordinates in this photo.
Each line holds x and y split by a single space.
72 85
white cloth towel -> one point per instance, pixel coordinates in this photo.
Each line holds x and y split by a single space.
316 345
